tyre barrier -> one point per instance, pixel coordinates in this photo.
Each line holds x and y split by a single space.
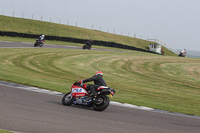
74 40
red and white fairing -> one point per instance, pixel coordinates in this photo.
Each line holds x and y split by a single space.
78 91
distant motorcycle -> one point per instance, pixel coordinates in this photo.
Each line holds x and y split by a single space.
80 96
181 54
87 46
39 43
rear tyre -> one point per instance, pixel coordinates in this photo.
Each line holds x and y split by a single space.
67 99
102 103
89 47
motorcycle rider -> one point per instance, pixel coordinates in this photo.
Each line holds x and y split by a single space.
89 43
183 53
41 37
98 81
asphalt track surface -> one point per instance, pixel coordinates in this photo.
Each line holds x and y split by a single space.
4 44
34 112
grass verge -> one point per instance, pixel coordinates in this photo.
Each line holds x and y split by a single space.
4 131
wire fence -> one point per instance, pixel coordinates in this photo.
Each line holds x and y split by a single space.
72 23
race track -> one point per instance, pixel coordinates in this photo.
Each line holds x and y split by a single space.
34 112
4 44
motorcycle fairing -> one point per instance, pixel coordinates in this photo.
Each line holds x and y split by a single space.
80 96
82 101
78 91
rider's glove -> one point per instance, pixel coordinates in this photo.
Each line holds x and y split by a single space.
80 82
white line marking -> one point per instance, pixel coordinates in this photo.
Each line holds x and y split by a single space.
130 106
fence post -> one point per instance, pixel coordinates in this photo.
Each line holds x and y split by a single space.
100 28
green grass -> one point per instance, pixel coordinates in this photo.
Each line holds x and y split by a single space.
4 131
39 27
163 82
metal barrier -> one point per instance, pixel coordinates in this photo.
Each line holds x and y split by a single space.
74 40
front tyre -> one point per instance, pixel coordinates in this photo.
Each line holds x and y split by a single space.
101 103
84 47
67 99
35 45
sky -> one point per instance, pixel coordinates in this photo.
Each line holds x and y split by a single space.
174 22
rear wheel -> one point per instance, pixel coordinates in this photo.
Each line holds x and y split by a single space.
101 103
67 99
41 44
89 47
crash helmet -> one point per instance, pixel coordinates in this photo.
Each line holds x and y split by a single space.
99 73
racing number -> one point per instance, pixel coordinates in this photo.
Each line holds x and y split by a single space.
78 89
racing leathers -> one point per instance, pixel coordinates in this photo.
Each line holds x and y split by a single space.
41 37
98 81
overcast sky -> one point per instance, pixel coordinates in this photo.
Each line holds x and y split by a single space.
175 22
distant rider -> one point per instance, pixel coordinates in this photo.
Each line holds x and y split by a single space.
98 81
41 37
89 43
183 53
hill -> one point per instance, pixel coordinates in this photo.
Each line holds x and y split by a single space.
40 27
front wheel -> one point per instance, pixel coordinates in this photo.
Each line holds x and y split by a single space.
84 47
35 45
67 99
101 103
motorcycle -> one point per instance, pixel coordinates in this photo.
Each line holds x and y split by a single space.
87 46
181 54
80 96
39 43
